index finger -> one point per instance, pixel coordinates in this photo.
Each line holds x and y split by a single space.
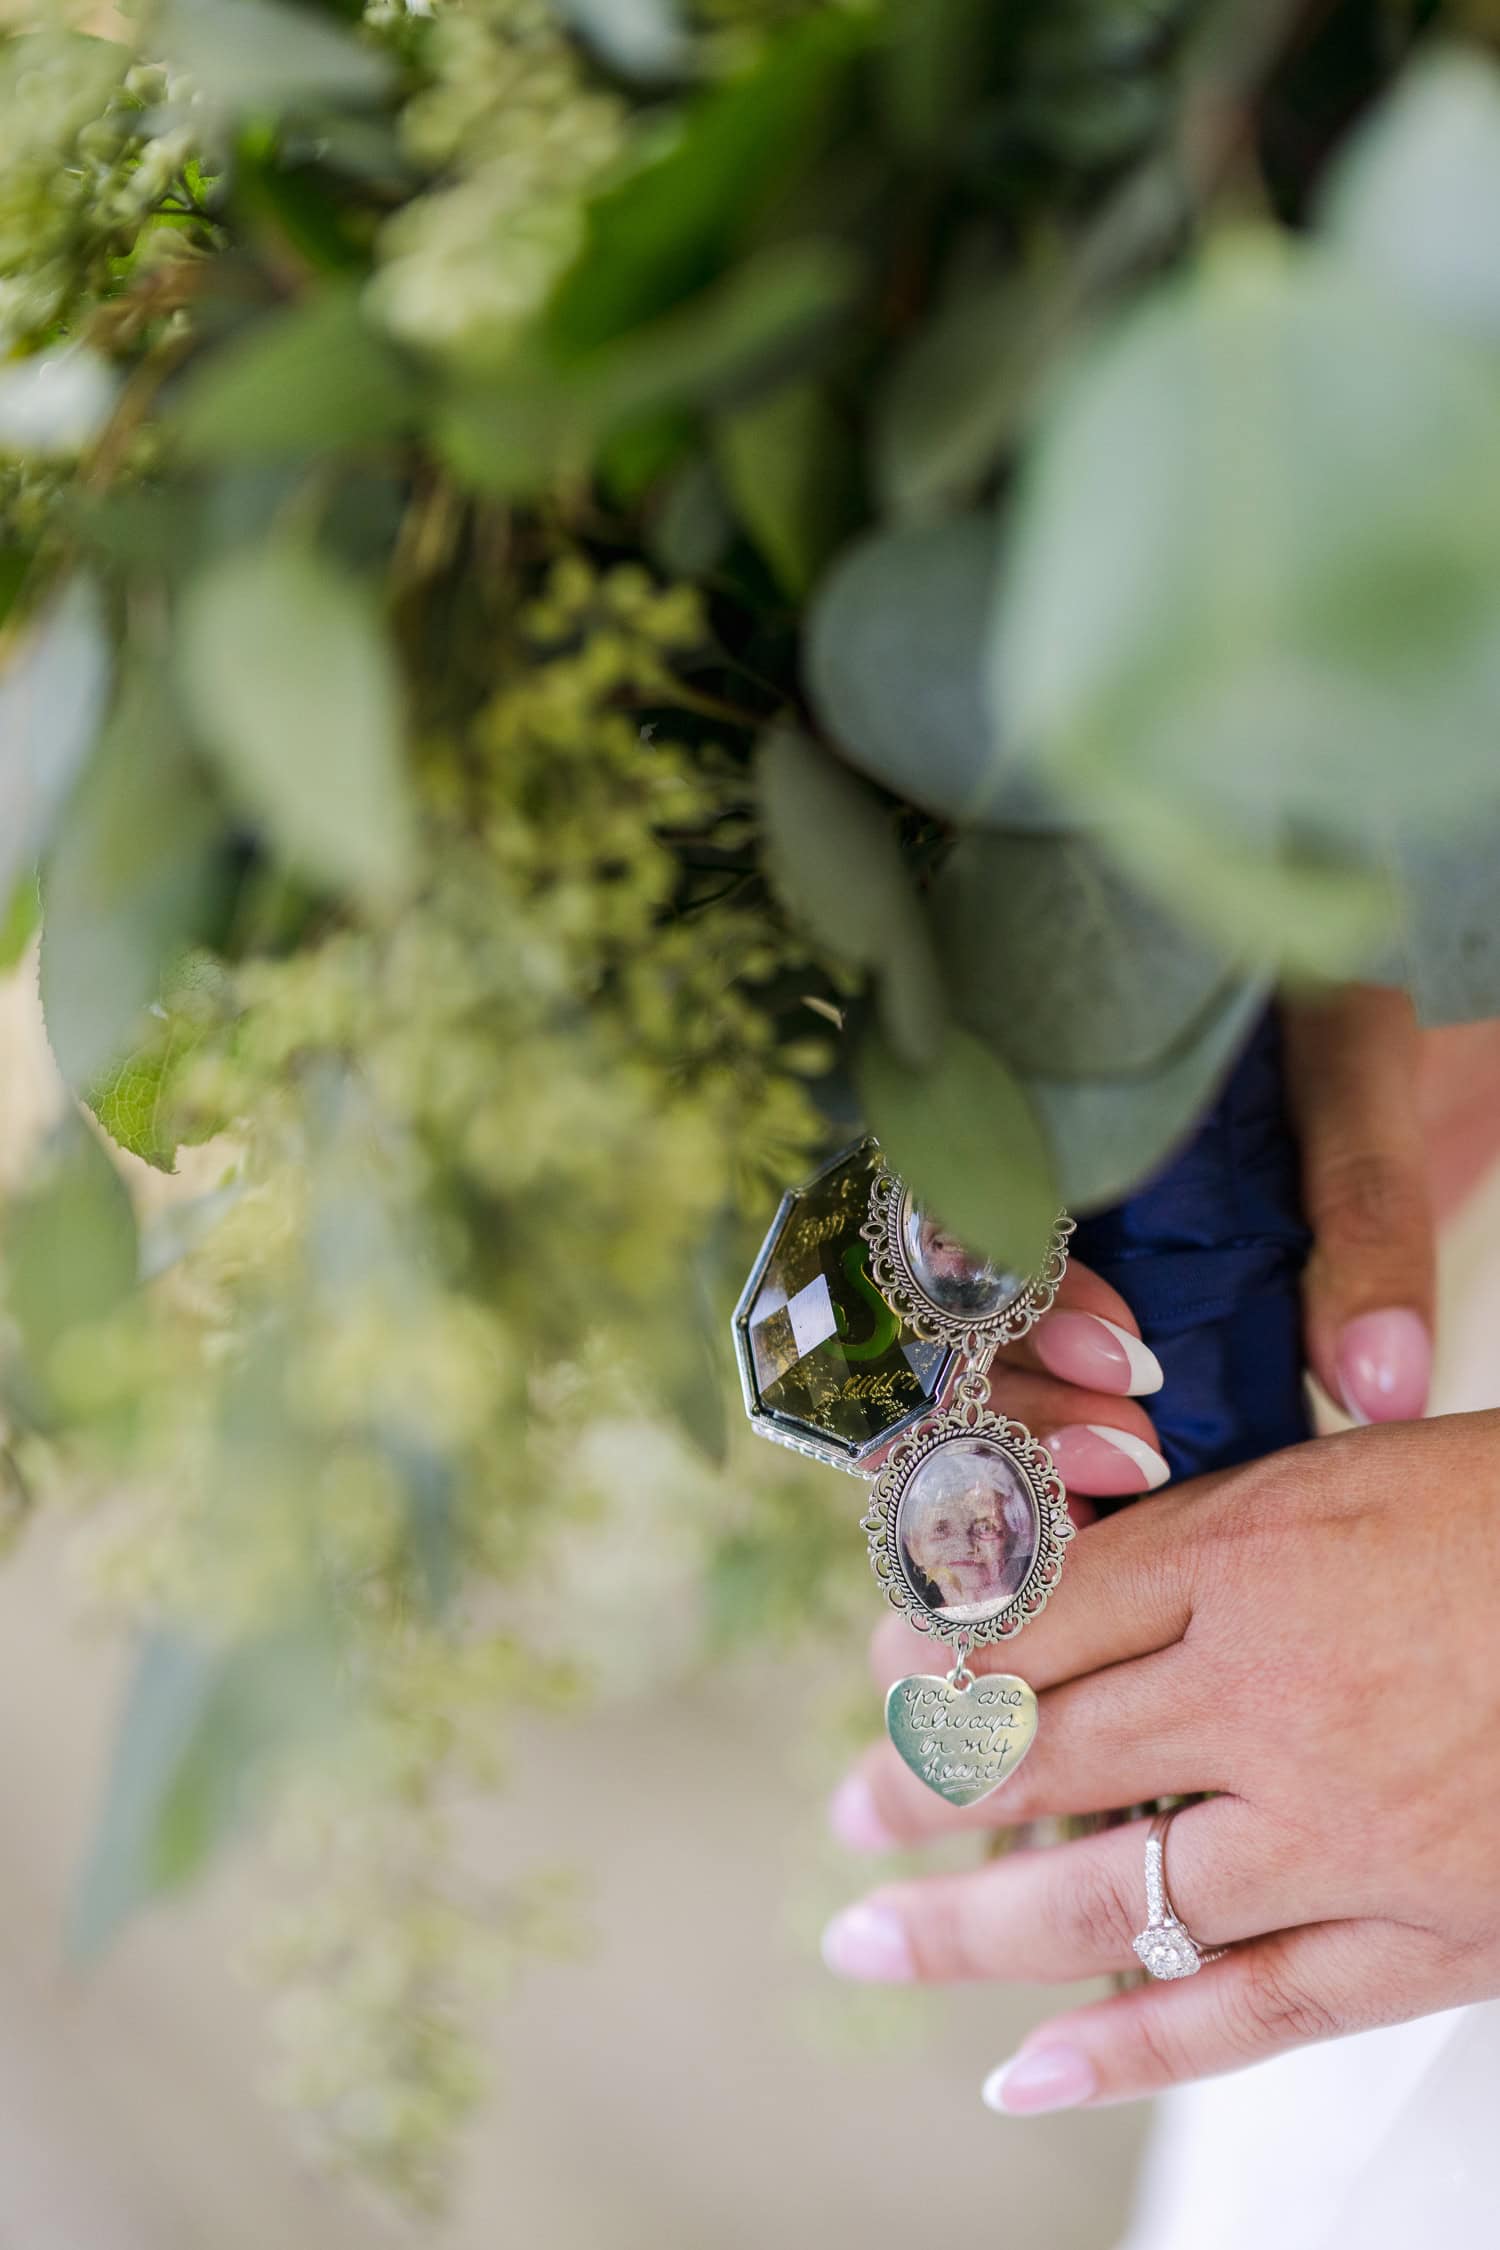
1126 1590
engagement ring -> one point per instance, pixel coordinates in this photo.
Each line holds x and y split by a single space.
1165 1948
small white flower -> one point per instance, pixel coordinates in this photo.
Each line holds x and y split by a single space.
55 404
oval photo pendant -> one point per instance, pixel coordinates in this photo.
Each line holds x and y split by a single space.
967 1529
968 1522
940 1289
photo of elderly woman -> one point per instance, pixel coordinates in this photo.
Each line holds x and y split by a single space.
967 1531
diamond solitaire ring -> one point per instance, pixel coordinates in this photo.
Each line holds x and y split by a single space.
1164 1948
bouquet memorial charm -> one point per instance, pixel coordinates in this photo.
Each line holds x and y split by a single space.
863 1335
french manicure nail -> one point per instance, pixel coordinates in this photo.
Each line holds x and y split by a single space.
1041 2078
1108 1463
869 1942
1385 1366
1085 1348
854 1819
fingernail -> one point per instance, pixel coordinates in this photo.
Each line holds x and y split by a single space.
1085 1348
868 1942
1108 1463
1041 2078
1385 1366
853 1818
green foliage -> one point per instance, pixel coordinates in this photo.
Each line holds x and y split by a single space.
295 697
127 886
52 698
85 160
896 643
196 1730
263 57
935 1130
1060 964
789 470
831 853
1107 1134
304 380
1238 591
540 421
689 211
18 927
567 572
135 1095
1411 204
70 1262
953 399
1448 939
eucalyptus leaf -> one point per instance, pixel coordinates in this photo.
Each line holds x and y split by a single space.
953 401
832 855
53 696
641 38
133 1099
1265 895
171 1685
789 468
180 1226
691 526
688 211
1413 199
965 1136
293 692
1449 938
1253 566
539 419
1060 962
70 1253
305 380
18 922
758 320
247 57
126 886
513 437
894 663
299 206
199 1727
1108 1135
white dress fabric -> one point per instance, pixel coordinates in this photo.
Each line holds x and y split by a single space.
1389 2140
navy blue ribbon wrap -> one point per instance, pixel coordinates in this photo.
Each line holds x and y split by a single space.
1209 1257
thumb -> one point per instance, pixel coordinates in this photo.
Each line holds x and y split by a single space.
1353 1079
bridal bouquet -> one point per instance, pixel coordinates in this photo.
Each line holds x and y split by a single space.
595 596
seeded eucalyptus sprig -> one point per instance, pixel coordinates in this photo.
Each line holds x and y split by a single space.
591 596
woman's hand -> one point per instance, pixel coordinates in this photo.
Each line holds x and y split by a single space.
1397 1125
1354 1071
1073 1381
1313 1637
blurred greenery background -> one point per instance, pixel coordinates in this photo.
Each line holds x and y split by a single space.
593 595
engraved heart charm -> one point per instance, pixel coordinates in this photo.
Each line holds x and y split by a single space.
962 1741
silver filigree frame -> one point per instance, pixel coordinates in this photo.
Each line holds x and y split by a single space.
885 1231
967 1416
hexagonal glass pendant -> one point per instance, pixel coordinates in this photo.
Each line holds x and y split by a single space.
826 1365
